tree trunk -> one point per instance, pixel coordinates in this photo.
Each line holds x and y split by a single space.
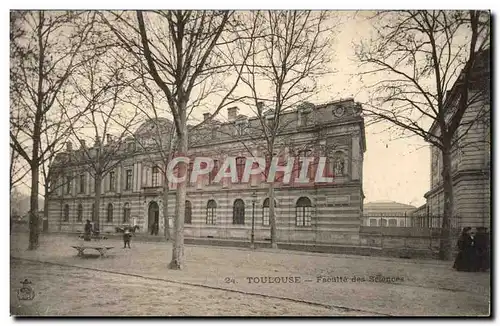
37 127
34 224
445 245
272 218
180 205
97 200
45 226
166 226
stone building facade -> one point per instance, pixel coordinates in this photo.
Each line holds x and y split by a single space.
133 192
387 213
471 156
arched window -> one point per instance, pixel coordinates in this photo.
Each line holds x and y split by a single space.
79 213
211 211
188 212
393 222
383 222
265 211
238 212
303 211
109 217
66 213
126 213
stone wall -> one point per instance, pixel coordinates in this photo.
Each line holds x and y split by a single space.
404 242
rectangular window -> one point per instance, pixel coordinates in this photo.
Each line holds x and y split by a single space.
303 155
155 177
82 183
189 172
265 216
303 216
304 119
128 180
112 181
214 172
211 215
240 167
270 123
68 185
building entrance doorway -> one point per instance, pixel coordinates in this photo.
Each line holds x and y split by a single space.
153 218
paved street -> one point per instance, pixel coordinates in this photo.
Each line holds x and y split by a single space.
70 291
427 288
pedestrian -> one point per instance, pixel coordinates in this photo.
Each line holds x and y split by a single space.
154 228
87 231
465 260
482 246
127 235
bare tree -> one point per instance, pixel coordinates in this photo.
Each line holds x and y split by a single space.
18 170
183 51
416 57
102 85
58 130
45 49
159 143
292 51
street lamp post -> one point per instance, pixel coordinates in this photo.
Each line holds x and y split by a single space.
252 244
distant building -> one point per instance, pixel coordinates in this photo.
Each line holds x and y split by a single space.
308 213
387 213
471 170
420 211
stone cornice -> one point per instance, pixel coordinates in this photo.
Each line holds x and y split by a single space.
458 176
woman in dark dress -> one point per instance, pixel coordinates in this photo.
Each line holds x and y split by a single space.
464 261
482 246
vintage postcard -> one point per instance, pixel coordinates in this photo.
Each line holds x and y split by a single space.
262 163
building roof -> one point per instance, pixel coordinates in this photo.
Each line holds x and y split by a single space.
149 126
386 207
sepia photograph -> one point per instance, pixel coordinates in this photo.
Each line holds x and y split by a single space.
250 163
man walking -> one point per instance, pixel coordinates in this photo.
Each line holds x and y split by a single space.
87 231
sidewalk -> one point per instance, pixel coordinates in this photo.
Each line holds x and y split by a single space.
427 288
338 249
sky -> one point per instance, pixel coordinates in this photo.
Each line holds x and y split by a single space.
393 170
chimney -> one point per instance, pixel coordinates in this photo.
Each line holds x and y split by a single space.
232 113
82 143
69 146
206 116
109 138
